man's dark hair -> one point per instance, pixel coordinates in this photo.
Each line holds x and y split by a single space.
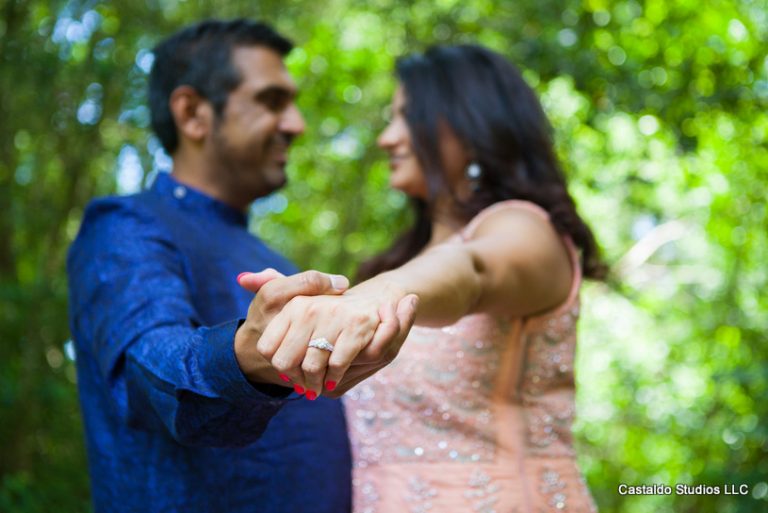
200 56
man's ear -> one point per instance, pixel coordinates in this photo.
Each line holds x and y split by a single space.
192 113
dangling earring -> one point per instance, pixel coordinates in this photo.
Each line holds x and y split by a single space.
473 173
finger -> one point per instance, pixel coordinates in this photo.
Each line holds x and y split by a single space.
347 347
254 281
277 292
392 332
406 313
388 328
273 335
354 375
315 365
290 355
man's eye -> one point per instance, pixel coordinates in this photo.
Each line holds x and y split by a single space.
274 100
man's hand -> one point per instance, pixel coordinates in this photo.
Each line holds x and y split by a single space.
273 291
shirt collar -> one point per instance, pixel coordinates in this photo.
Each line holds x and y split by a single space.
192 199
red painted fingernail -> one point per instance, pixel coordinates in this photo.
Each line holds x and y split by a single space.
330 385
311 395
285 378
298 389
240 276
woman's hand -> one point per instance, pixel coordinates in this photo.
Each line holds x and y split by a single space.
366 328
274 292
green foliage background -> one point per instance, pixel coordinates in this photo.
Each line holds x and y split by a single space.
659 109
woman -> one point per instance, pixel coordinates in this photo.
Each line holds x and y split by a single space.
475 413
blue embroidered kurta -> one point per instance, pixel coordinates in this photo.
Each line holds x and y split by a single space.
171 422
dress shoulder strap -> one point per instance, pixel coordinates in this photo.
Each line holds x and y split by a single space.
468 230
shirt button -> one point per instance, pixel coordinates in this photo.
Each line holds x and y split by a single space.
179 192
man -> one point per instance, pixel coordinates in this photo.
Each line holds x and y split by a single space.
181 413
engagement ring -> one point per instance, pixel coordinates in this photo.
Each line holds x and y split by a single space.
321 343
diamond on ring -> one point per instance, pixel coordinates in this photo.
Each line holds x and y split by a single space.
321 343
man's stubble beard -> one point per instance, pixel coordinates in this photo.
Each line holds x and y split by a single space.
240 178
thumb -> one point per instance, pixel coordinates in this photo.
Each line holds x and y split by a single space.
406 311
393 328
315 283
254 281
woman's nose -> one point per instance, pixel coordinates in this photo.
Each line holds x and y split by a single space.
388 137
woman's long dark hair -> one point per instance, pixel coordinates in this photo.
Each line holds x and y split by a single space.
497 116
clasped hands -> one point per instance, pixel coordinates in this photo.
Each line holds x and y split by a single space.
366 326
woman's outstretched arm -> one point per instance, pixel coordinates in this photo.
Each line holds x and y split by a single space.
513 263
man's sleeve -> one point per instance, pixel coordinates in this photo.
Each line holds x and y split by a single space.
132 313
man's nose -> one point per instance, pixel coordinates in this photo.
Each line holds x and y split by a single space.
292 122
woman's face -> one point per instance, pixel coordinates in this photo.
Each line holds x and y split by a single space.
406 172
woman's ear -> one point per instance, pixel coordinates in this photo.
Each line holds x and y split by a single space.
192 114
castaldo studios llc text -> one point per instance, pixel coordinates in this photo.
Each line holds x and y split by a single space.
684 489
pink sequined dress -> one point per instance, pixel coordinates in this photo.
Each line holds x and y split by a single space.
473 417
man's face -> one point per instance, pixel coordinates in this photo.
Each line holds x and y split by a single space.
251 137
